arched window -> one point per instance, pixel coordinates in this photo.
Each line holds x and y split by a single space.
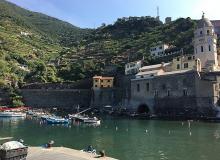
208 32
201 48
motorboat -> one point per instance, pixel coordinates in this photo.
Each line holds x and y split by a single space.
57 120
93 120
78 117
12 114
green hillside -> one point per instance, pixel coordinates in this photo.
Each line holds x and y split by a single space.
28 42
37 48
127 38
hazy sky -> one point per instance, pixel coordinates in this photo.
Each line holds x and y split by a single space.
92 13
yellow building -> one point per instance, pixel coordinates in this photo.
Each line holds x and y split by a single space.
102 82
186 62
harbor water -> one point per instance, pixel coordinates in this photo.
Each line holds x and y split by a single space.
125 139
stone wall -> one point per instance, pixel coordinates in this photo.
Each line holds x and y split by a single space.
182 94
64 98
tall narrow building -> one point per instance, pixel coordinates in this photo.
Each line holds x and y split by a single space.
205 41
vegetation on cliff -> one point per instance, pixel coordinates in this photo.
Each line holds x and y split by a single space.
38 48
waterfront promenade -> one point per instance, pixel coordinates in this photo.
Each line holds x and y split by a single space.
59 153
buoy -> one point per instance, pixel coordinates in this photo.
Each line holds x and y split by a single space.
146 130
116 128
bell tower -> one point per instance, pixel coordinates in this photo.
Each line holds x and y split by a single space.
205 41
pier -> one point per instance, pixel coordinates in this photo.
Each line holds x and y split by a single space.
58 153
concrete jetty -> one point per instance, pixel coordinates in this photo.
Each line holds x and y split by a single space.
61 153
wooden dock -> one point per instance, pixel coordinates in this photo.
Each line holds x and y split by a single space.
61 153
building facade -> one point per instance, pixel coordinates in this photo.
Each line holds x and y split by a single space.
132 67
205 44
188 86
102 82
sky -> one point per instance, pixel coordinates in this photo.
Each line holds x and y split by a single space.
92 13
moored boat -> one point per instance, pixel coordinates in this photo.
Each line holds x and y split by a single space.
57 120
12 114
93 120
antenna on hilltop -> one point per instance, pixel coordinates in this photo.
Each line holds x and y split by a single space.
158 13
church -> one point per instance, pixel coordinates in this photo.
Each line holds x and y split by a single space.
188 86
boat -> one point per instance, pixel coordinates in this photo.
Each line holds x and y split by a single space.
12 114
57 120
93 120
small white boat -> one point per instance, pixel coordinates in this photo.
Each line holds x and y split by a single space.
93 120
12 114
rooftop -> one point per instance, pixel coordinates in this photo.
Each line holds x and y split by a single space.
204 22
154 66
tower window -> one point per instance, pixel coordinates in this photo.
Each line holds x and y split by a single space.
202 49
209 48
208 32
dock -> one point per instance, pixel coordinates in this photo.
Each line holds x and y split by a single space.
61 153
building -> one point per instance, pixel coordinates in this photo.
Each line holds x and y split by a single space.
186 62
158 50
188 86
161 51
132 67
205 44
102 82
168 20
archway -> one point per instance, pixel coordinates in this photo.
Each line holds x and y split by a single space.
143 108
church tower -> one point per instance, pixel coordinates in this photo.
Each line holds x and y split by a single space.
205 41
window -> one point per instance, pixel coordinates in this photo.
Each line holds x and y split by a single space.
209 48
168 92
185 65
96 86
201 48
185 93
96 80
189 58
178 59
101 80
208 32
102 86
108 80
177 66
109 86
160 47
156 93
138 87
193 57
147 87
200 32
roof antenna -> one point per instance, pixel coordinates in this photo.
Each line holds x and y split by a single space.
158 13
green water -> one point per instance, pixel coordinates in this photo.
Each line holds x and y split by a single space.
126 139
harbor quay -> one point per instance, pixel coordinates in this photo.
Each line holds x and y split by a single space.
58 153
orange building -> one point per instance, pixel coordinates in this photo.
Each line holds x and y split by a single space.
102 82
